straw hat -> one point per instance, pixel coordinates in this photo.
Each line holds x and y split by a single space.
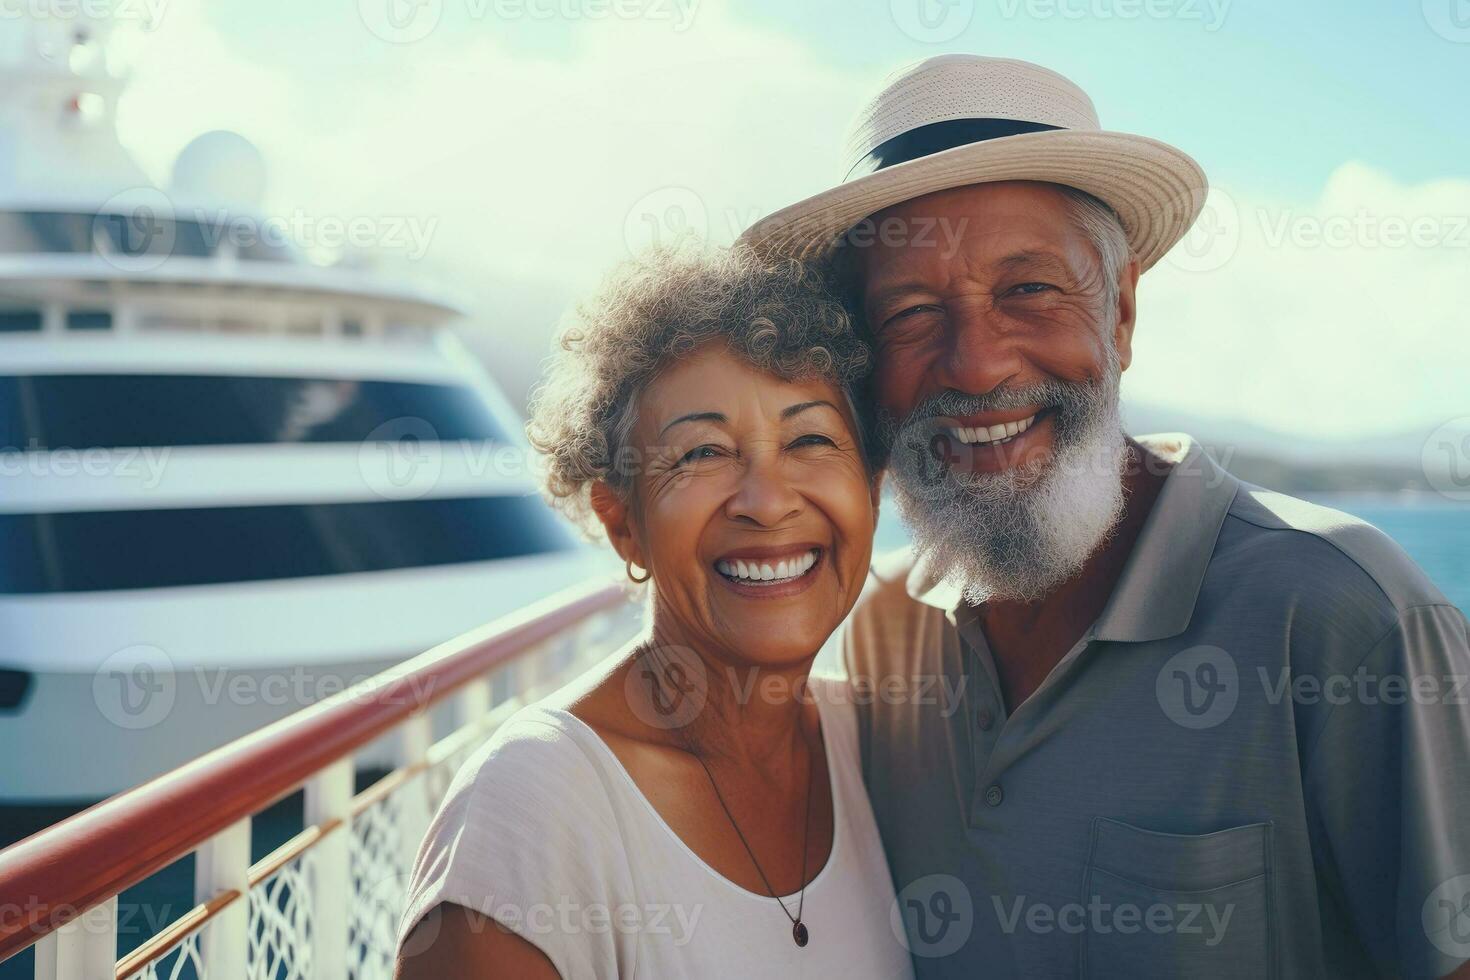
961 119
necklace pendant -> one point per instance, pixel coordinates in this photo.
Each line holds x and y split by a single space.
799 933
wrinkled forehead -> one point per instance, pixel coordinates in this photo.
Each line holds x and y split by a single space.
978 226
715 381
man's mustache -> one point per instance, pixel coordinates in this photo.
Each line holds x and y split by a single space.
1069 398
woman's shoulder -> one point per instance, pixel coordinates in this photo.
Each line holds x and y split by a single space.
539 755
526 823
534 799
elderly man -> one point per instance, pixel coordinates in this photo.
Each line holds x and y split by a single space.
1204 730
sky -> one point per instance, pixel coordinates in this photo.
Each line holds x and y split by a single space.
532 144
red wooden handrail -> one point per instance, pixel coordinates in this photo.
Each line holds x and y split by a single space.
59 873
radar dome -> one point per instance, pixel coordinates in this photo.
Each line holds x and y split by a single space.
220 167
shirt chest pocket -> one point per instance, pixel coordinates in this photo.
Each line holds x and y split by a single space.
1178 905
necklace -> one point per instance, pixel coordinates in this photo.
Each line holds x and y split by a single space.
799 931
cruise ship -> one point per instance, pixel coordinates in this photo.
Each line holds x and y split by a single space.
233 479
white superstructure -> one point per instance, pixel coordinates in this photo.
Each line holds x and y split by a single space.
231 479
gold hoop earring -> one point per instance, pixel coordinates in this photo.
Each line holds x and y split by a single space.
628 566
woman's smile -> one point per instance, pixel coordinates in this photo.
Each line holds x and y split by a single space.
771 571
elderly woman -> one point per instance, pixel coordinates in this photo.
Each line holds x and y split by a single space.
693 807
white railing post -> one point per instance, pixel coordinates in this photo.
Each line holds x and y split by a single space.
471 703
83 949
414 739
222 864
329 796
530 672
591 642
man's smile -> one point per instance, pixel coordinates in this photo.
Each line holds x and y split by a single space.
991 442
991 427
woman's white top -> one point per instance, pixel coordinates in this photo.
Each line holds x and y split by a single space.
544 831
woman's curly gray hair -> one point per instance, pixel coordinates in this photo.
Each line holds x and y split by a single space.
777 314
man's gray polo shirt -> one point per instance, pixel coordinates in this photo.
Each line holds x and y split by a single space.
1256 763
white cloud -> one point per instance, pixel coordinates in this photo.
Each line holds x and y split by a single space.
1345 316
184 79
538 166
539 169
530 162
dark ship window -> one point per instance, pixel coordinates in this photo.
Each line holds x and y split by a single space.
88 320
72 411
89 551
17 320
136 233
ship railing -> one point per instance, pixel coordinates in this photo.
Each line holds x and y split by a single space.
325 904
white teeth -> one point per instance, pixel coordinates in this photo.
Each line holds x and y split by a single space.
781 571
1000 432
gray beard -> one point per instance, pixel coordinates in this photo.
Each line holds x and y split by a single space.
1019 533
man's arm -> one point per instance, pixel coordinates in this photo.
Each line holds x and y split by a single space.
1388 793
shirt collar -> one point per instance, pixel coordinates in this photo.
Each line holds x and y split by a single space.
1155 595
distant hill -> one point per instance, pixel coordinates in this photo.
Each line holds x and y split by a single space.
1296 464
